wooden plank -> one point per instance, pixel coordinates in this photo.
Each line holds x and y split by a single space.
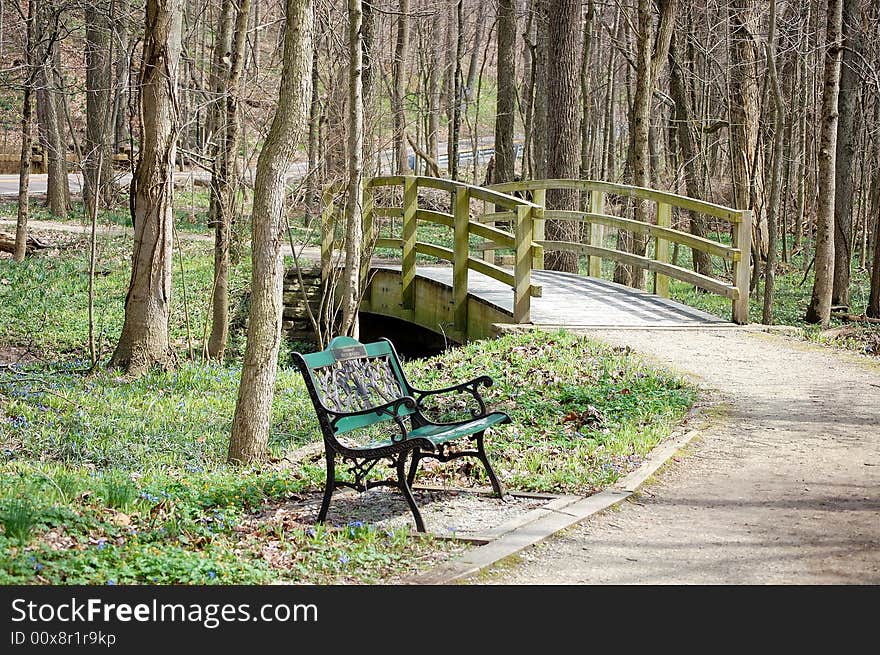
522 266
499 238
720 211
676 236
388 212
742 269
494 217
460 259
408 252
432 250
539 197
440 218
676 272
661 249
597 231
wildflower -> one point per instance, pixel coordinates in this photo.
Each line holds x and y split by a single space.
212 575
344 559
111 582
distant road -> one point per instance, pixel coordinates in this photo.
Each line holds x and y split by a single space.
297 170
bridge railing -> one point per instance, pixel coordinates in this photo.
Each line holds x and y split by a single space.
394 225
732 283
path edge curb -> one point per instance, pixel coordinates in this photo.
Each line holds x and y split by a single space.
553 521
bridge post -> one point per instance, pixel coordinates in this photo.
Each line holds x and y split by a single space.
522 268
328 233
408 256
461 247
661 249
742 239
597 232
369 237
539 197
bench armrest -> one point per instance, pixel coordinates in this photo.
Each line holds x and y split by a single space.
469 387
392 408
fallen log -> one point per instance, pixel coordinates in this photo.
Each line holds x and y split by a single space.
855 318
7 243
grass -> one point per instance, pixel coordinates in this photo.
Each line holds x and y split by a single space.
109 480
132 486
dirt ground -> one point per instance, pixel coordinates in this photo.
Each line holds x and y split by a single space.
782 487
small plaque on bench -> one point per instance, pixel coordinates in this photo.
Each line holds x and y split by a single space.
349 352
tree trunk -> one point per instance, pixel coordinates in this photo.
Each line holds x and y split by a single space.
144 338
563 124
97 147
434 92
224 178
684 125
776 172
250 424
539 109
24 171
650 55
401 53
819 309
844 167
354 214
455 130
506 99
52 135
586 94
746 167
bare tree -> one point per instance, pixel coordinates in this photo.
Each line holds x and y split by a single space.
819 309
354 214
401 52
250 424
563 122
144 338
505 107
844 163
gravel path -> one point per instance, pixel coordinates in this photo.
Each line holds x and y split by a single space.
782 488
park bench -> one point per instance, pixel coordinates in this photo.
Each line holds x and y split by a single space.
369 412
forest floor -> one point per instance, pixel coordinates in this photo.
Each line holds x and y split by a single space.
781 487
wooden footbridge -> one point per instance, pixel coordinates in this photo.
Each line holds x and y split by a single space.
493 275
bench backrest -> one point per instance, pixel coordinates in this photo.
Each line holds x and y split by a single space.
350 376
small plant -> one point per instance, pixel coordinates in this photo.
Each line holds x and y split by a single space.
119 491
19 519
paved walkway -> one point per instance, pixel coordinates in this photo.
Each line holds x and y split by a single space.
781 487
573 300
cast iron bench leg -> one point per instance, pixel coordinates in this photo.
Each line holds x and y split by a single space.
407 492
414 465
330 456
496 483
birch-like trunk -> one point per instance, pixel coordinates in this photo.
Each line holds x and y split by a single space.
819 309
250 424
144 341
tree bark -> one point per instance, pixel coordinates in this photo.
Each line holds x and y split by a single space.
97 146
144 341
773 209
684 126
539 99
354 214
224 178
651 53
747 170
844 167
24 171
250 424
563 124
506 99
819 309
401 53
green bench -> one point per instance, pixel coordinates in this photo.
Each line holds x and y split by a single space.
359 390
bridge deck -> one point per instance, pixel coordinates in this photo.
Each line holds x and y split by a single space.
573 300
